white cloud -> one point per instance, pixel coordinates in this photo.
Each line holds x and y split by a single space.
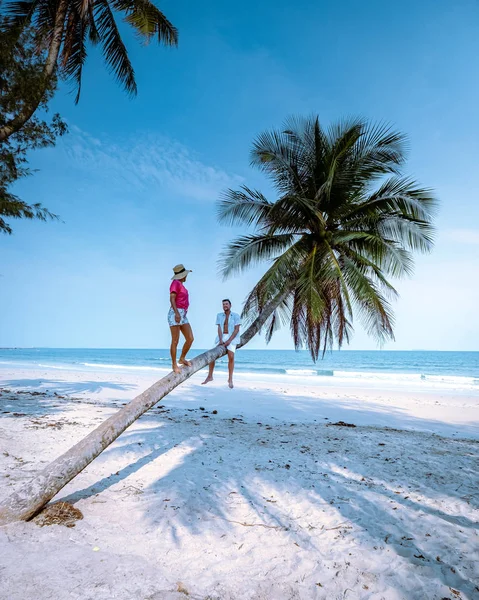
463 236
148 160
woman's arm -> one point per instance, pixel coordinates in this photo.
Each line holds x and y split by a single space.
173 306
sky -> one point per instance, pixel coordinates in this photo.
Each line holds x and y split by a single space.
136 181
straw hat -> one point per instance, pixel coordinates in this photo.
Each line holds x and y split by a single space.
180 272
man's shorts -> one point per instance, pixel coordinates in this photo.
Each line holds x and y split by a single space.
231 347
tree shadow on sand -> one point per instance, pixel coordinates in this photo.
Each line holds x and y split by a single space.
24 403
67 387
379 493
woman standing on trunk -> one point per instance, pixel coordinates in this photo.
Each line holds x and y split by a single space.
177 317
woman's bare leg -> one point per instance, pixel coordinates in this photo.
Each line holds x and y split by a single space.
188 333
175 336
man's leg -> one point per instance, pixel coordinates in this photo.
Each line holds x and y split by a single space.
188 333
231 366
211 368
175 336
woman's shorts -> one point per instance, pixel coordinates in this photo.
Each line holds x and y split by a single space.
171 317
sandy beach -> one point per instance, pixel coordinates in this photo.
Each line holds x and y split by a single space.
247 493
284 194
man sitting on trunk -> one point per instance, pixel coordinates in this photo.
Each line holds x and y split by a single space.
228 335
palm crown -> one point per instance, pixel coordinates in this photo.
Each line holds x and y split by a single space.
75 22
346 221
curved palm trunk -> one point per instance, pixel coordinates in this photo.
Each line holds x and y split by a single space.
24 115
33 495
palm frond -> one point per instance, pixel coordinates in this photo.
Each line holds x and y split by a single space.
44 21
114 50
248 250
322 308
148 21
93 34
373 308
271 325
246 207
18 14
388 255
370 269
413 234
395 195
281 316
274 154
280 277
379 151
74 51
296 214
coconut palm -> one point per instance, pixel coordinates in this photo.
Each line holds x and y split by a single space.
66 26
345 220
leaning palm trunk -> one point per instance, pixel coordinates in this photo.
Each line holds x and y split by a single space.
30 499
27 111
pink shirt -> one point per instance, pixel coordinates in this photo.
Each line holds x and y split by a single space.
182 300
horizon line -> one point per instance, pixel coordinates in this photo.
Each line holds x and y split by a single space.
204 349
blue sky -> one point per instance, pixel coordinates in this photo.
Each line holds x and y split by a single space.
136 180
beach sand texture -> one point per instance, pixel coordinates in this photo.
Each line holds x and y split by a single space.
248 493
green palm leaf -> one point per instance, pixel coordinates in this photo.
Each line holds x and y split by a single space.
248 250
19 14
148 20
245 207
74 50
114 49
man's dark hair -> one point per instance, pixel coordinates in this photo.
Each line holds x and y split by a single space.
227 300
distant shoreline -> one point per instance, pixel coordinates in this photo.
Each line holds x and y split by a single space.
204 349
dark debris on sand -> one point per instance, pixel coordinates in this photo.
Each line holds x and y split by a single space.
59 513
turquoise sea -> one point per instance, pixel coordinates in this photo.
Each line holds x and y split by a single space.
458 370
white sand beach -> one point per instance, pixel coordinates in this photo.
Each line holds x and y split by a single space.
251 493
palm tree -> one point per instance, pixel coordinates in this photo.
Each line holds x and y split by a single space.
344 221
65 26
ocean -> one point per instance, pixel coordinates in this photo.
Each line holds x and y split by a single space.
457 371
